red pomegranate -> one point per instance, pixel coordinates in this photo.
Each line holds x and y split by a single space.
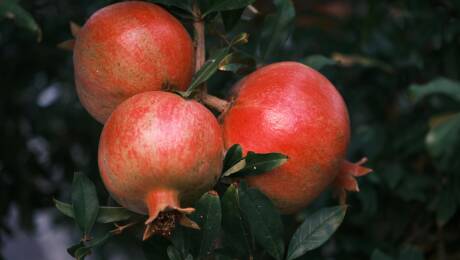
159 152
290 108
128 48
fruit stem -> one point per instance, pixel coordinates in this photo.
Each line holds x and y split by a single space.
199 34
221 105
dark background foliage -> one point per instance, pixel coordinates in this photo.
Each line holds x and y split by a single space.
377 53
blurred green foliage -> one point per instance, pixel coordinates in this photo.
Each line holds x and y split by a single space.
395 62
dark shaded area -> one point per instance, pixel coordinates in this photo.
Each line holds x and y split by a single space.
377 50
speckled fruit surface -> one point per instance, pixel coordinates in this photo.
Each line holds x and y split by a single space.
159 152
127 48
290 108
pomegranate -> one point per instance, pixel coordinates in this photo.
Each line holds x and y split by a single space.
159 153
128 48
290 108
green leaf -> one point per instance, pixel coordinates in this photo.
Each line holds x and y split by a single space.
208 69
263 220
71 250
446 206
315 230
318 62
80 252
443 143
105 215
208 216
277 27
233 155
411 253
379 255
85 202
182 4
439 86
173 253
226 5
180 240
256 163
238 63
232 222
231 18
12 10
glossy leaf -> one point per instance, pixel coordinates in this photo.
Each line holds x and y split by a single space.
277 27
226 5
439 86
233 155
318 62
83 251
85 202
206 71
208 216
182 4
232 222
256 163
315 230
443 142
238 63
12 10
71 250
105 215
263 220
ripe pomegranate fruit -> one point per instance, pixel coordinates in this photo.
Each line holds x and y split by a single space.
128 48
290 108
159 153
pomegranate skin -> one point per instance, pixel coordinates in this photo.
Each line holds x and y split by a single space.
290 108
159 152
128 48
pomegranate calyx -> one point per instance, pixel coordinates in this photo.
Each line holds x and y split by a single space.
346 179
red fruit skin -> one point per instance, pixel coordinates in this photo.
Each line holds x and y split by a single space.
290 108
158 152
127 48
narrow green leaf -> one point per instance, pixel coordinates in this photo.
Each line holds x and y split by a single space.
173 253
180 240
105 215
439 86
443 142
12 10
379 255
446 206
208 69
318 62
182 4
263 220
82 252
85 202
232 222
64 208
71 250
225 5
233 155
208 216
277 27
256 163
315 230
238 63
